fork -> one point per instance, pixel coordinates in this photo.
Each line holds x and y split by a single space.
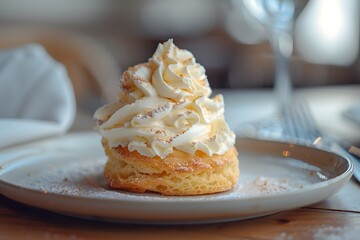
300 128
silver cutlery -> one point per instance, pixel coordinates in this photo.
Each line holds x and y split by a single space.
300 128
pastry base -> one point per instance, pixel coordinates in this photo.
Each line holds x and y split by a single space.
178 174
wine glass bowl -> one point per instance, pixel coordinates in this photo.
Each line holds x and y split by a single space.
272 14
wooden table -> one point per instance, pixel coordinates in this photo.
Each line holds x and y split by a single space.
337 217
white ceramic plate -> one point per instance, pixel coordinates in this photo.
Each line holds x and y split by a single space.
64 175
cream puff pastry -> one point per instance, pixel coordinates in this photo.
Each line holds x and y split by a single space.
165 134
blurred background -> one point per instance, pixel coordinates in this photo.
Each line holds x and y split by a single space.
97 39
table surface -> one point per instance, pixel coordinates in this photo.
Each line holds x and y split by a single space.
338 217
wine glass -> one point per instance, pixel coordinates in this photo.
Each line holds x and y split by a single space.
277 17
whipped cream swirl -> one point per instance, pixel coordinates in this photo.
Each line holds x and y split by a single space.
164 104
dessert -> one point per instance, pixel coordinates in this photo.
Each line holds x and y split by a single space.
165 134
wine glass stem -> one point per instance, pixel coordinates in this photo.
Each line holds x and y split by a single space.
282 83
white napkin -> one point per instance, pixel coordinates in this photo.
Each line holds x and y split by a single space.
36 96
353 113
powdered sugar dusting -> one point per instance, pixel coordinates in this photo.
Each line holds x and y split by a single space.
327 232
264 185
85 179
284 236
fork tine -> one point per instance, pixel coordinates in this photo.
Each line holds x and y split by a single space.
292 122
299 123
310 122
289 126
303 122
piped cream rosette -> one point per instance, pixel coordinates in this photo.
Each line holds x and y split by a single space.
164 104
